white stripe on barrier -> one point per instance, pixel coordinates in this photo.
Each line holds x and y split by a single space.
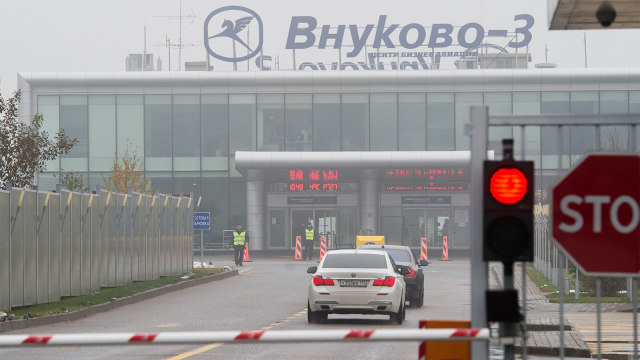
247 336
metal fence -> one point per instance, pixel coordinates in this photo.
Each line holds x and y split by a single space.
68 244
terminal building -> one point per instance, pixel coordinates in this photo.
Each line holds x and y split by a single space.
352 152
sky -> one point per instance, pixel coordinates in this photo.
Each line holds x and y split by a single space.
90 35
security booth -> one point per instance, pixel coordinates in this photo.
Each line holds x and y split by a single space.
402 196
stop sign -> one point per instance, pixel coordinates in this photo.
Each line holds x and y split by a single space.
596 214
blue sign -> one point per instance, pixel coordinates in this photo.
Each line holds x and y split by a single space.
201 221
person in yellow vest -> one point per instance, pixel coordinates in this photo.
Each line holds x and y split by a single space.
240 238
309 238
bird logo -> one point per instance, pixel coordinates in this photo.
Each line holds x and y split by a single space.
234 31
231 30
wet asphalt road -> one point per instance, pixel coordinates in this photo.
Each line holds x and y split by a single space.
268 294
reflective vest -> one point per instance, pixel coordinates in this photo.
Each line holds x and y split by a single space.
309 234
238 239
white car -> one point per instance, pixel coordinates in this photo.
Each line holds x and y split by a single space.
356 282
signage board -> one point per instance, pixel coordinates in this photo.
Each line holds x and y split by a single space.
596 214
201 221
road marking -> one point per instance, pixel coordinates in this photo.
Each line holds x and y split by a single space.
215 345
245 270
168 325
196 351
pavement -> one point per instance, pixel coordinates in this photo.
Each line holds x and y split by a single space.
580 324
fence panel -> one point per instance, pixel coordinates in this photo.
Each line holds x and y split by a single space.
42 238
136 202
76 245
173 235
85 237
103 226
30 249
5 253
96 249
17 250
153 231
68 244
54 247
163 253
65 244
142 238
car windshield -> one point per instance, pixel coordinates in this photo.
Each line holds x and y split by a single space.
367 261
399 255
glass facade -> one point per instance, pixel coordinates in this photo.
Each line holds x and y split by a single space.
188 141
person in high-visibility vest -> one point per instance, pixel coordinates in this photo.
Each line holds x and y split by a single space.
240 238
309 238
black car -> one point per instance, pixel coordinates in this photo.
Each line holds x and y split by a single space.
403 256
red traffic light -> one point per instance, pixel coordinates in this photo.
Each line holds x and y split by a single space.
508 185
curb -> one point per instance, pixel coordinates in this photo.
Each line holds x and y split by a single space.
19 324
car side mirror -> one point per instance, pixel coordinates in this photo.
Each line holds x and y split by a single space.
424 263
403 270
312 269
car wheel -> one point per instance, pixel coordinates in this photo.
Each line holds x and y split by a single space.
421 301
398 317
312 317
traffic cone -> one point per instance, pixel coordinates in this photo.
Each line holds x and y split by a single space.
423 249
323 247
298 254
245 257
445 249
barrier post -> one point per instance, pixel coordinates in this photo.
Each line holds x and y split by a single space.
445 249
423 249
323 247
245 257
298 253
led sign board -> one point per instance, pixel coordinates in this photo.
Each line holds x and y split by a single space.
313 180
427 187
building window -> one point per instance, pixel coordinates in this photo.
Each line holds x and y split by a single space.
326 120
186 132
215 132
242 122
102 132
384 122
158 132
355 122
298 122
270 122
440 121
74 120
412 122
464 101
49 107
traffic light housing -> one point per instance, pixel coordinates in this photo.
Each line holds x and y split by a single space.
508 211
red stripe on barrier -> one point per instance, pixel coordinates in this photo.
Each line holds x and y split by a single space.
465 332
249 335
359 334
143 337
36 340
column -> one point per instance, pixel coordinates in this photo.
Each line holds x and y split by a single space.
256 209
369 202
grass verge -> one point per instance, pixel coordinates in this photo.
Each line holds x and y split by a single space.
73 303
551 292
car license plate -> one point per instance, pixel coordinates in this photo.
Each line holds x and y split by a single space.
354 283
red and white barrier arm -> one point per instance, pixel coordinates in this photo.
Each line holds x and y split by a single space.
247 336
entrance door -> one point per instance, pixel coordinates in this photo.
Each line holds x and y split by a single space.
277 228
438 226
414 226
324 222
299 220
391 228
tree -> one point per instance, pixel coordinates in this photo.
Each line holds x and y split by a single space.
127 174
25 148
72 181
